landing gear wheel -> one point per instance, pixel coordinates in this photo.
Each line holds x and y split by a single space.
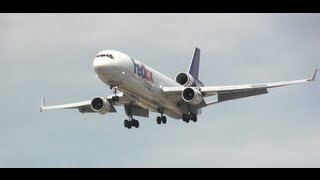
159 120
135 123
193 117
185 118
129 124
126 123
115 98
164 119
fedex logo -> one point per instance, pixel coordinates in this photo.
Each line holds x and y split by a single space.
142 71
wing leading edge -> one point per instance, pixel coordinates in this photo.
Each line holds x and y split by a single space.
237 91
83 106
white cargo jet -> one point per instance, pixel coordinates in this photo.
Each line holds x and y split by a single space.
143 89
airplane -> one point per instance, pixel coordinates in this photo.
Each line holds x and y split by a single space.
141 89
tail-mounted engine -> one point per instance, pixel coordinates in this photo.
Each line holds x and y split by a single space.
100 105
191 95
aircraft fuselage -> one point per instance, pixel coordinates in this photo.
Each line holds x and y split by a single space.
137 80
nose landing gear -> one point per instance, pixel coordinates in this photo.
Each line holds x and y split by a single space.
115 98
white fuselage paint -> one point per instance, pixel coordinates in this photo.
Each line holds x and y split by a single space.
139 81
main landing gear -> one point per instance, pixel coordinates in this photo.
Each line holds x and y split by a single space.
161 118
115 98
131 123
190 116
128 123
187 117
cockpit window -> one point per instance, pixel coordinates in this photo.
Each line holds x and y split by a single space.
103 55
110 56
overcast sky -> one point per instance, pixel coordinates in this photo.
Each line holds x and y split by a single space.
51 55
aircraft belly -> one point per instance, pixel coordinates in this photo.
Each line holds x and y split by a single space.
148 95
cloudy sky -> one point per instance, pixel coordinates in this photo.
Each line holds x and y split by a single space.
51 55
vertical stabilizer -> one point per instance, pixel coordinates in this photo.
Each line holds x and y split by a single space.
194 66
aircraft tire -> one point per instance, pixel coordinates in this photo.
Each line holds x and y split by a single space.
164 119
135 123
129 125
193 117
126 122
185 117
158 120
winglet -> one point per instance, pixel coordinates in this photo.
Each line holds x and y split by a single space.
42 104
313 78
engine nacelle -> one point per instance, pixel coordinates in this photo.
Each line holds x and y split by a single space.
100 105
191 95
185 79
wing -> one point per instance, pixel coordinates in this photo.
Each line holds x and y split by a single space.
84 106
235 91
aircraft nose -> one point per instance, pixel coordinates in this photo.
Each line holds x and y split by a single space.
103 67
99 63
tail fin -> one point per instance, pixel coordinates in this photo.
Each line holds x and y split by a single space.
194 66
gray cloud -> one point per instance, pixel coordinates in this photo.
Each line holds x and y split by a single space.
51 55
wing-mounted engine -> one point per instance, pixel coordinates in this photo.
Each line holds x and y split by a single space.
184 79
100 105
191 95
187 80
